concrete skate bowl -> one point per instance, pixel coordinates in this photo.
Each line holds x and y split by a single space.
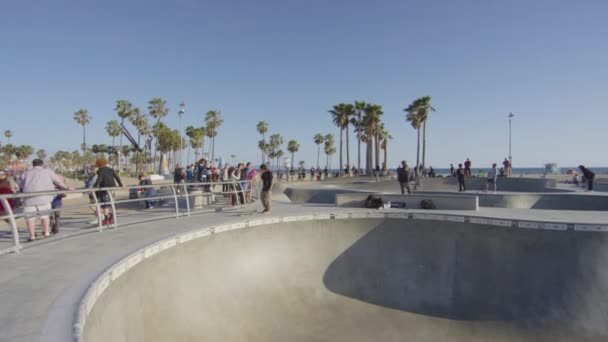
358 280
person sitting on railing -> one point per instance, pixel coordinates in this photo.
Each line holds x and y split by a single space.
38 179
106 178
149 192
5 189
56 205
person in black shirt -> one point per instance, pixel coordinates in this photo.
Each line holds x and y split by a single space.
460 173
403 176
106 178
267 181
589 176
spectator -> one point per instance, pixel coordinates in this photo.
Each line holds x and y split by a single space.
461 173
491 178
467 168
5 189
452 170
106 178
267 181
589 176
190 173
149 191
39 179
251 174
56 205
403 176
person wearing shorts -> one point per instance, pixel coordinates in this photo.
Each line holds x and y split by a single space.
39 179
106 178
491 178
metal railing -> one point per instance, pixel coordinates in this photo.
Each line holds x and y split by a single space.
236 193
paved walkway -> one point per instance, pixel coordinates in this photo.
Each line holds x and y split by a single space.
42 286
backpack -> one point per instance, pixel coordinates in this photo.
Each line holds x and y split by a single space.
427 204
372 202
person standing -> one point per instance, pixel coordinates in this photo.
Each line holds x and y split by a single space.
106 178
589 176
403 176
467 168
267 181
507 167
39 179
491 178
460 173
5 189
452 170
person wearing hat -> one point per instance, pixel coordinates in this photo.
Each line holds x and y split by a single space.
39 179
403 176
106 178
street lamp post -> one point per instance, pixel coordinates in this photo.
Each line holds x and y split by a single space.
182 107
511 115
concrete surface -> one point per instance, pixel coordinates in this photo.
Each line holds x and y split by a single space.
364 280
441 201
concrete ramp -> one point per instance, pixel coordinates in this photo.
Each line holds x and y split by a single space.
364 280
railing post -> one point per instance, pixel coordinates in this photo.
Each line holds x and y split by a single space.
187 199
174 191
113 208
11 218
236 195
97 212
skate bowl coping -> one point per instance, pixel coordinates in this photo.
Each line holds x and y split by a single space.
359 276
446 202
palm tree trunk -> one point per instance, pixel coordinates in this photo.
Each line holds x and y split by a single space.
386 154
340 168
263 152
213 148
318 154
120 141
359 143
424 144
368 157
84 145
377 155
292 156
347 151
418 154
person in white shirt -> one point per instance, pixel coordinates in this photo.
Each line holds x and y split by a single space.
491 178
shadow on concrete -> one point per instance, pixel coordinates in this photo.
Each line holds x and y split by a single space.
470 272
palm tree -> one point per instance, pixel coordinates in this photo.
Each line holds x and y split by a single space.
23 152
82 118
328 147
213 121
157 108
8 134
414 120
371 127
340 114
113 130
276 140
197 136
124 109
41 154
292 147
319 138
140 121
356 122
262 128
424 107
385 136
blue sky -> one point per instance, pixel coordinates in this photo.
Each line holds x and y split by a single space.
287 62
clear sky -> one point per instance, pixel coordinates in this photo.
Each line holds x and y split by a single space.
287 62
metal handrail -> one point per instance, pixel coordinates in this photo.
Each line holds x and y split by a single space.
12 216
